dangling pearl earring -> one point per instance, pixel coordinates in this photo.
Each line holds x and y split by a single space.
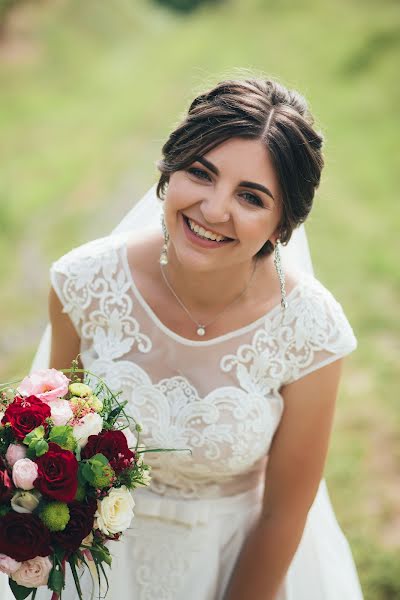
164 255
281 274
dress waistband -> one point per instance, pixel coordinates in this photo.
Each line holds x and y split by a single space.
194 512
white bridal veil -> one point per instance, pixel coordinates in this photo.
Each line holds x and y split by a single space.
145 215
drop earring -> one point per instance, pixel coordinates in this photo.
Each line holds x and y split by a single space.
281 274
164 255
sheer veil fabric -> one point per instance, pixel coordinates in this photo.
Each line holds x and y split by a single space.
322 523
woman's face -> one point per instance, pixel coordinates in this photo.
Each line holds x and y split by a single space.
217 192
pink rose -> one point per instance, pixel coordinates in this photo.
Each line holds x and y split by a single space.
45 384
24 473
8 565
14 453
61 411
34 572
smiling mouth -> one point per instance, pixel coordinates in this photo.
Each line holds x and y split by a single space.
205 234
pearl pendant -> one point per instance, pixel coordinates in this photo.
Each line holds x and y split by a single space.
164 259
201 331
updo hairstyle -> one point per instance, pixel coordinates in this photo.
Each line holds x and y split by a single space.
254 108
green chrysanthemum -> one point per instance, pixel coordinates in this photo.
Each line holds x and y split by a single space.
55 515
80 389
104 478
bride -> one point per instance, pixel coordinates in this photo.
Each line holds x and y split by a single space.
224 342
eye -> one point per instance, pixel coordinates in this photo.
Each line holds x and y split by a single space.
199 173
253 199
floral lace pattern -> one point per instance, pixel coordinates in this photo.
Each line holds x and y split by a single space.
227 417
89 276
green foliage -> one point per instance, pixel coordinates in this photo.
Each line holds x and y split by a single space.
20 592
37 445
63 436
98 472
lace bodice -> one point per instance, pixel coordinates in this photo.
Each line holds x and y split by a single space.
219 397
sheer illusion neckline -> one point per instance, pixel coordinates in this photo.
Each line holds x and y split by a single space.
175 336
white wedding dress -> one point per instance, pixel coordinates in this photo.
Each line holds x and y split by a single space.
221 399
218 397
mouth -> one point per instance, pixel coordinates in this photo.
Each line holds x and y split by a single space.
205 234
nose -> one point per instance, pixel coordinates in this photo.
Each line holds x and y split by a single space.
215 208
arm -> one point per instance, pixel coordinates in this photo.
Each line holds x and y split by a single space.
65 342
294 470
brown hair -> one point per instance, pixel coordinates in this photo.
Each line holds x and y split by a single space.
254 108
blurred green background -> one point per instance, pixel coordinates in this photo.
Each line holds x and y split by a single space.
88 93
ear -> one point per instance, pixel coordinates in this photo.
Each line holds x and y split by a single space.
274 236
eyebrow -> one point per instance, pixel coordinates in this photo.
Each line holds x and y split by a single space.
249 184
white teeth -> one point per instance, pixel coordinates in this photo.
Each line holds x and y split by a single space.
205 233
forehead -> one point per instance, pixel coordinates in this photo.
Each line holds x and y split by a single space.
245 159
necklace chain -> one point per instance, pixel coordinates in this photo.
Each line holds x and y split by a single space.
201 328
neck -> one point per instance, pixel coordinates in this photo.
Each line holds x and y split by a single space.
209 291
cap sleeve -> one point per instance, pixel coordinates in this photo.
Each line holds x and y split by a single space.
77 279
317 331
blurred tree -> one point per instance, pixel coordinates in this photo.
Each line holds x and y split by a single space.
184 6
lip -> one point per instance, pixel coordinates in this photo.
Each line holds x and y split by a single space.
207 228
194 239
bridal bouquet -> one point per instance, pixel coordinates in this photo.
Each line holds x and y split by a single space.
68 463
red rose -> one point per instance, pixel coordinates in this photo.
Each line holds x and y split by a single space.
25 414
57 474
23 536
6 484
113 445
80 524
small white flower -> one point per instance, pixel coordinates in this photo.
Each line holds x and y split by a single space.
115 511
146 478
90 424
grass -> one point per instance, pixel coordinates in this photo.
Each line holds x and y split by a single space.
89 94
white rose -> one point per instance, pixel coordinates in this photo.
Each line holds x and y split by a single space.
25 502
90 424
115 511
34 572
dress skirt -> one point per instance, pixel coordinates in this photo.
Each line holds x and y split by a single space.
187 549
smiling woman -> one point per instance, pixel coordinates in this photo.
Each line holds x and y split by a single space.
219 348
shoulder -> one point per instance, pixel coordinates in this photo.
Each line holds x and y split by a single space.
315 329
83 274
316 299
88 256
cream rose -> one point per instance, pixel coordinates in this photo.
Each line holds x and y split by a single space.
90 424
25 502
115 511
61 412
34 572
